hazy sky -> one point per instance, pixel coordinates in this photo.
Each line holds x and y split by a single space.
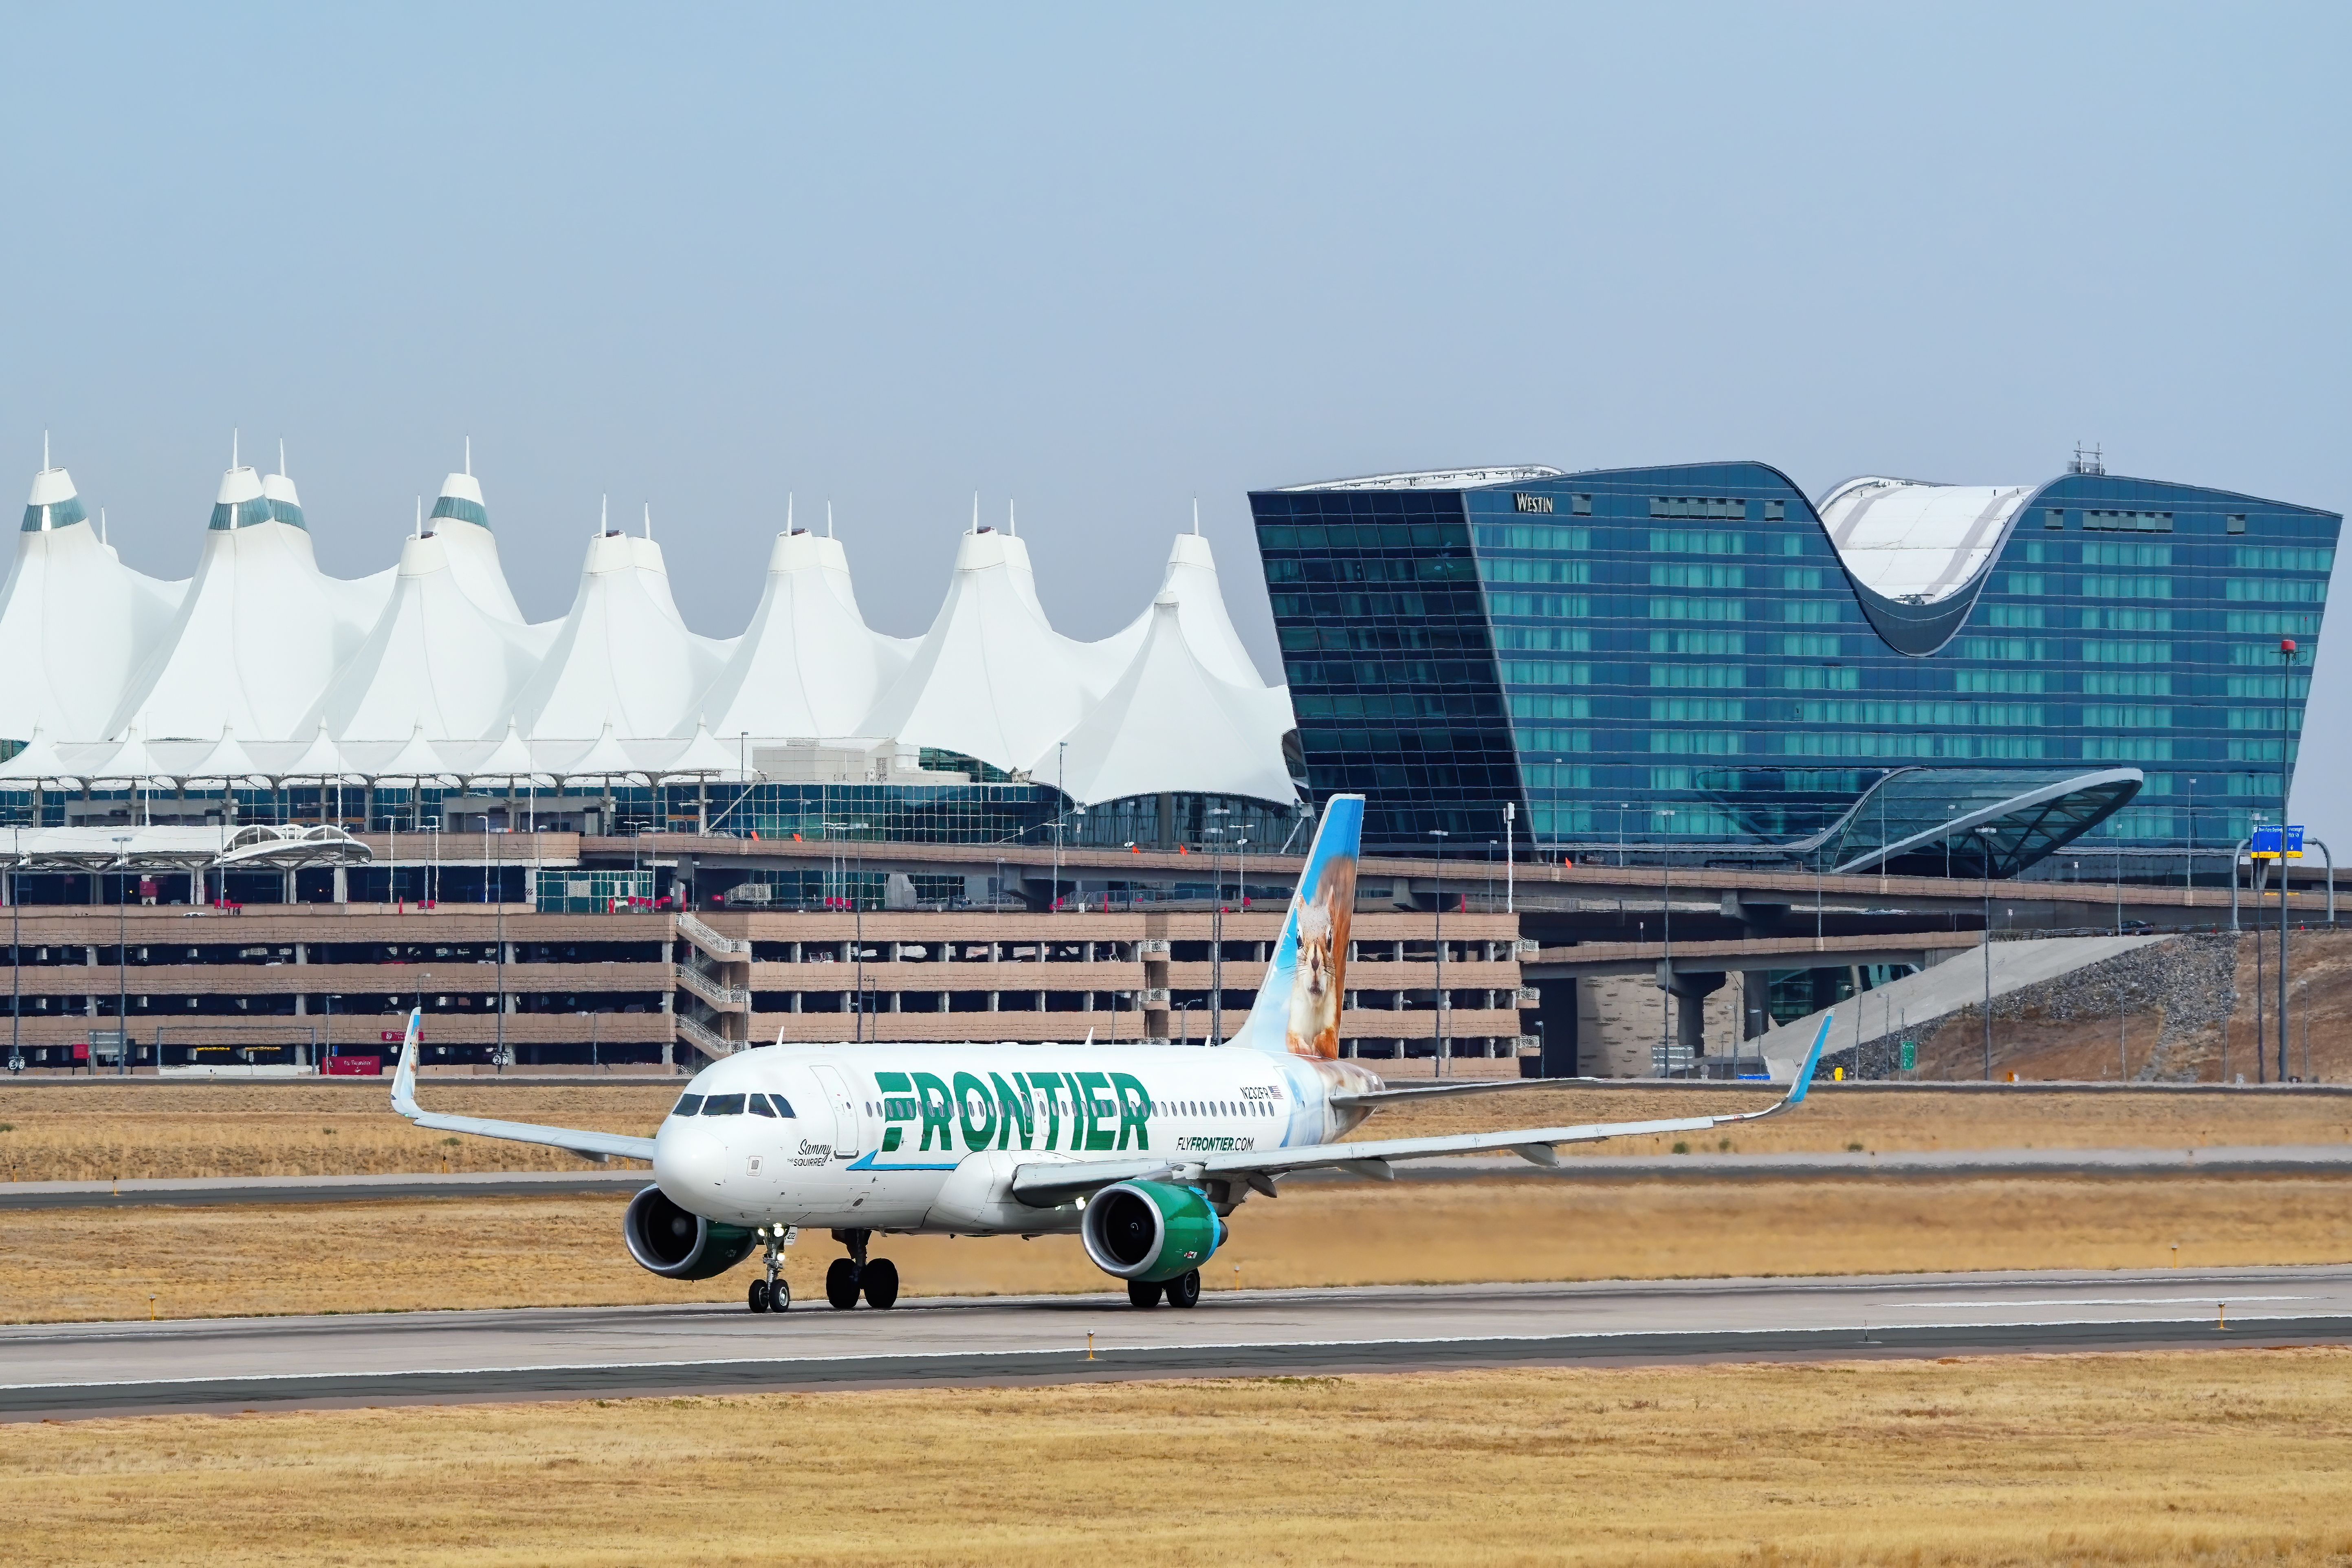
1102 261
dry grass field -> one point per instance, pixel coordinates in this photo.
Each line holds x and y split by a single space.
96 1130
2202 1457
81 1264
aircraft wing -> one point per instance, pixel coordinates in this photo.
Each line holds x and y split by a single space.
578 1140
1046 1185
1408 1093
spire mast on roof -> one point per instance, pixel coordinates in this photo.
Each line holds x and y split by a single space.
281 457
604 514
232 446
788 512
650 519
1012 524
45 451
1196 517
976 512
828 520
469 457
420 516
101 525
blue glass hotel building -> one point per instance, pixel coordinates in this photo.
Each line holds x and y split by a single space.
1702 655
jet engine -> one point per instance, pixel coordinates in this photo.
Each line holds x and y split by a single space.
1149 1231
676 1245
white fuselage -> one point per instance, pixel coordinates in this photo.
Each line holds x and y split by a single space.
927 1137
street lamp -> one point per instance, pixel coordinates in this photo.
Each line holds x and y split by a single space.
16 962
1437 1018
1987 831
1666 945
1216 925
122 969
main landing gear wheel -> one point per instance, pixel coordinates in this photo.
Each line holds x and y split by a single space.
841 1284
881 1282
1184 1290
1143 1293
757 1295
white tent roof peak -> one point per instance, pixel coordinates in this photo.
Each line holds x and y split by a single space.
807 665
259 632
1170 724
991 678
706 755
131 761
321 759
462 522
1192 577
51 487
237 485
623 655
75 623
434 658
605 758
38 760
227 762
416 759
510 759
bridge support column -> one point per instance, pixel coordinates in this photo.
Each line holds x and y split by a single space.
1690 992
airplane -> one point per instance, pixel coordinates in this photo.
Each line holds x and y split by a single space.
1144 1151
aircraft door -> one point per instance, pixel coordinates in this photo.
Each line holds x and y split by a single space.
845 1121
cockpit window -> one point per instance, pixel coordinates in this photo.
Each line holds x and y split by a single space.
687 1105
783 1106
759 1106
723 1105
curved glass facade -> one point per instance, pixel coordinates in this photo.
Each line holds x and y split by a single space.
1678 654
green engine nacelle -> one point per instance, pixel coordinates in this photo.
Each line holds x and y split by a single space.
1151 1231
666 1240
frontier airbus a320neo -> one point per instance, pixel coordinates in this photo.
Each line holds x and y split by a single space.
1144 1151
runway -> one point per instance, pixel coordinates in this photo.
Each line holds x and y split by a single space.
2245 1160
60 1370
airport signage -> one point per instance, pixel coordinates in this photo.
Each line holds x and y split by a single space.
394 1036
2273 841
354 1067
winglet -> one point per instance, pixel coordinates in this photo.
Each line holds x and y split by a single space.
403 1078
1804 1079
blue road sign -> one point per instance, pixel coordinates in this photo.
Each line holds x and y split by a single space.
2266 842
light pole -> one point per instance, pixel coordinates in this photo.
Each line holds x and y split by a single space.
490 868
857 924
1061 779
1437 1019
1216 926
2286 712
1987 832
16 965
1667 947
122 969
2189 877
1510 849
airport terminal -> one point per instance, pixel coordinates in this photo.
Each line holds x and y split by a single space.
1616 730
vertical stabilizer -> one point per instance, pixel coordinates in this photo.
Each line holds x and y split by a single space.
1297 1008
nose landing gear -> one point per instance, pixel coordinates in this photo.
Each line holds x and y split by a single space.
851 1276
772 1294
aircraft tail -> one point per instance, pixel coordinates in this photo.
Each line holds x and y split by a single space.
1297 1008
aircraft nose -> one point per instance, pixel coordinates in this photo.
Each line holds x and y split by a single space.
690 1163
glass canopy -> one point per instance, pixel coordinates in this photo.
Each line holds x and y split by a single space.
1969 822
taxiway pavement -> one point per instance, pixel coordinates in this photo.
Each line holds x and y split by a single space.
55 1370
